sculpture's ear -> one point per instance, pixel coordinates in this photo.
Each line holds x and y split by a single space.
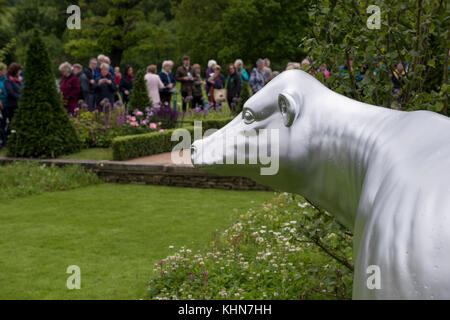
290 107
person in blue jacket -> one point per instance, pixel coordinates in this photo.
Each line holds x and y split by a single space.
239 64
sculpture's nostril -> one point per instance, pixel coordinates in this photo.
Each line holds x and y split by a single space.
193 152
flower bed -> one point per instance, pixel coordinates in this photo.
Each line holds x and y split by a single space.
97 129
276 251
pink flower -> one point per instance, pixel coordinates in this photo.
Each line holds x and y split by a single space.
139 114
153 126
133 118
162 130
134 124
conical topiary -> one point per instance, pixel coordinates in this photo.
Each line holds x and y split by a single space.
245 95
139 98
41 127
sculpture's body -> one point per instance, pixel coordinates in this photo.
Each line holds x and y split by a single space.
384 174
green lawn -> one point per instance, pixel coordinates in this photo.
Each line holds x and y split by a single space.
114 233
85 154
92 154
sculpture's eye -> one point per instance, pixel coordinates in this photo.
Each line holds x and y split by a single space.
248 116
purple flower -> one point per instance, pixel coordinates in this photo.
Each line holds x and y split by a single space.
118 104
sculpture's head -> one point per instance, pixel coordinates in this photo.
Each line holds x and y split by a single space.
244 148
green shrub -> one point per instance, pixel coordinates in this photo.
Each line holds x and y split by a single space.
41 124
143 145
265 254
139 98
22 179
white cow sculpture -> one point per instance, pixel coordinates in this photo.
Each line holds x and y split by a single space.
384 174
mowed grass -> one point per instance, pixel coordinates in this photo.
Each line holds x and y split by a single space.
85 154
91 154
114 233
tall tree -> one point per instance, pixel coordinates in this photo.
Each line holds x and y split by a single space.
112 29
139 99
41 124
247 29
199 28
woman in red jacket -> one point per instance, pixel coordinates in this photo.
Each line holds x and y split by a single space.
69 87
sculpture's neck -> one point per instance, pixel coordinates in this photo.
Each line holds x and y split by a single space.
345 136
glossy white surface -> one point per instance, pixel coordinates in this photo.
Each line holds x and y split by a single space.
384 174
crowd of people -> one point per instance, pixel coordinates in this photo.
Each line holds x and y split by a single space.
99 81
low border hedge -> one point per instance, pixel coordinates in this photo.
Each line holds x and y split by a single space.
144 145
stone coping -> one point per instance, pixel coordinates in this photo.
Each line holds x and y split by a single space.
157 174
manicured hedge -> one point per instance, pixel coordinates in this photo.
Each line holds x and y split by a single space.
143 145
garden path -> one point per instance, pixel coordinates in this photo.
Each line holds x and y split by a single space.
164 158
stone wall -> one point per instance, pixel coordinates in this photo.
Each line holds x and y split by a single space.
154 174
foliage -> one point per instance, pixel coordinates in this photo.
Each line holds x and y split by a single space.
165 116
41 124
48 16
98 129
247 29
264 254
131 32
414 34
199 28
139 98
20 179
93 131
113 31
